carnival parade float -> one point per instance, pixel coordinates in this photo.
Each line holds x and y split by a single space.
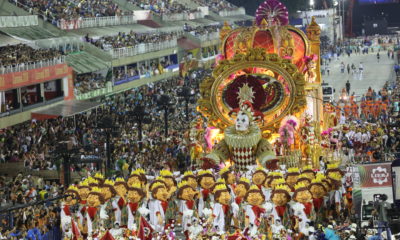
267 75
255 151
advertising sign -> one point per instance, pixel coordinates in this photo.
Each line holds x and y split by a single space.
374 175
34 76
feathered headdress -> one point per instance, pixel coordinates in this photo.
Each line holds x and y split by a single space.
247 108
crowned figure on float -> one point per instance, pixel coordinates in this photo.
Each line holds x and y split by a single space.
243 143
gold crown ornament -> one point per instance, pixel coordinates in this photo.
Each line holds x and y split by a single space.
84 183
160 178
157 184
91 181
182 184
304 176
320 176
335 176
109 182
316 180
279 181
293 170
136 185
333 166
72 188
299 185
283 187
220 187
224 170
99 175
244 179
220 181
254 187
276 174
95 190
307 167
204 172
119 179
166 173
260 169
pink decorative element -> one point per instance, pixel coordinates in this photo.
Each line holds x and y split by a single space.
286 133
274 12
218 58
211 133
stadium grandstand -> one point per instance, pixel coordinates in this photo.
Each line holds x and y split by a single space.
55 52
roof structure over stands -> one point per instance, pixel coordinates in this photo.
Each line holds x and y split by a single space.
7 40
29 33
65 109
109 31
83 62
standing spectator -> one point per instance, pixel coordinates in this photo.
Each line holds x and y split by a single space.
348 87
381 209
361 71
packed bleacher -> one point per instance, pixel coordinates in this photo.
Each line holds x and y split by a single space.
201 30
162 7
68 10
131 39
31 142
21 56
33 218
216 5
89 82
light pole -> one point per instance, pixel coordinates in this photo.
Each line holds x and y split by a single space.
186 93
140 116
106 123
165 103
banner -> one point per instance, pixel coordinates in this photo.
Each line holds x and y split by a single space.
34 76
374 175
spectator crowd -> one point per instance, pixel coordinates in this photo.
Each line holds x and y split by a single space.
216 5
163 7
22 55
70 10
131 39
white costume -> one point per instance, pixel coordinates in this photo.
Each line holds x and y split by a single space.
131 209
254 220
202 201
65 218
186 209
117 209
219 217
298 211
157 208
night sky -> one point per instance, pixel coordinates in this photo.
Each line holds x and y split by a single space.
360 12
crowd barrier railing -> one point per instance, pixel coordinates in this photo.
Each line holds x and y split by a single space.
230 13
142 48
19 21
208 37
32 65
185 16
95 93
96 22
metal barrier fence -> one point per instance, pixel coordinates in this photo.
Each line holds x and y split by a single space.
19 21
208 37
185 16
230 13
142 48
96 22
32 65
